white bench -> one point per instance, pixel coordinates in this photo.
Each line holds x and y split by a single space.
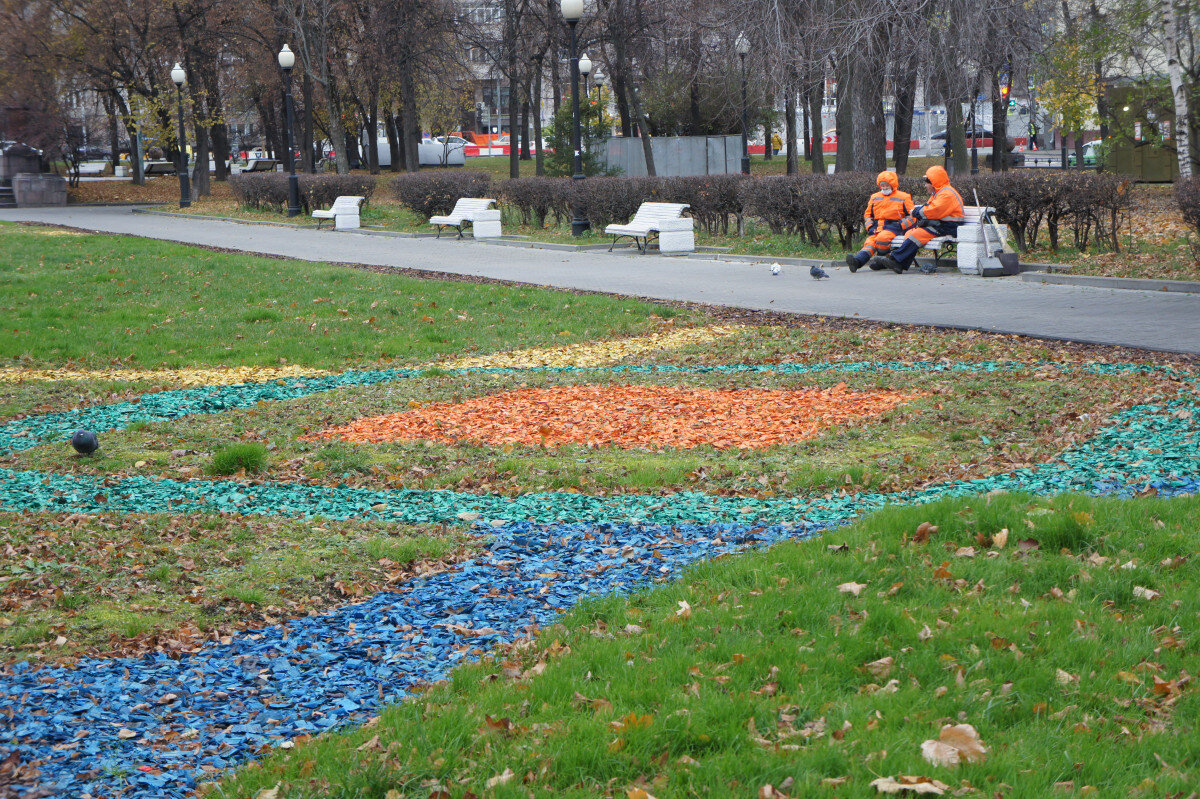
92 167
941 244
474 211
344 213
675 232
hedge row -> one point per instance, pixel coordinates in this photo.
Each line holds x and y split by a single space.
1093 206
269 190
821 209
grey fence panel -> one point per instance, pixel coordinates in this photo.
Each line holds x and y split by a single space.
675 156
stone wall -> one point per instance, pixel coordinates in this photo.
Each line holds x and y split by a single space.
39 190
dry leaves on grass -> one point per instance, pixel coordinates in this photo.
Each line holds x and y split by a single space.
907 783
956 744
633 417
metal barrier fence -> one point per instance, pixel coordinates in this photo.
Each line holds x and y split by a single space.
675 156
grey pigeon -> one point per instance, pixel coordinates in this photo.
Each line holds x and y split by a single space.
817 272
85 442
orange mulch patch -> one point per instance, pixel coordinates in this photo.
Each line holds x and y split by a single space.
631 417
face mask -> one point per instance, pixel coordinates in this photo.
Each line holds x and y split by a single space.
885 189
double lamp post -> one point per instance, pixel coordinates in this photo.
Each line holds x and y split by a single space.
572 11
287 60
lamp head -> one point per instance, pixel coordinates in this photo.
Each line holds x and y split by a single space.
572 10
287 59
742 44
585 64
178 75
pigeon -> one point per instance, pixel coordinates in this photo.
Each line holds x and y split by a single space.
817 272
776 269
85 442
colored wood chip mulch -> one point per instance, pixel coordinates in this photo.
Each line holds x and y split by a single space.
630 417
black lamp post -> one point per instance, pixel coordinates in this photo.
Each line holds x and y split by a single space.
572 11
287 60
179 77
585 69
743 47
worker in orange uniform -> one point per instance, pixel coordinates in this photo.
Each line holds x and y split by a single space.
882 218
940 216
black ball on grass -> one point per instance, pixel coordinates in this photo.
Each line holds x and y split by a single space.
85 442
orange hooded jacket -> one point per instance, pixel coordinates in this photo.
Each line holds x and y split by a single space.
882 208
945 204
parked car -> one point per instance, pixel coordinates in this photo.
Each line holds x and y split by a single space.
1093 152
983 133
451 141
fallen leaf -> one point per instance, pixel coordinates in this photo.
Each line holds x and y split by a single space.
638 793
1148 594
909 784
1065 677
500 779
833 782
268 793
1000 539
925 531
852 588
881 668
126 734
685 610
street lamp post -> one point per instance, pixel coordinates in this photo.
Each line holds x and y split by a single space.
585 69
743 47
179 77
598 82
287 60
572 11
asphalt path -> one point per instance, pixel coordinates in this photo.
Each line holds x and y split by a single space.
1154 320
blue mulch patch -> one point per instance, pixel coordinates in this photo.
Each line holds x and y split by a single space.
153 726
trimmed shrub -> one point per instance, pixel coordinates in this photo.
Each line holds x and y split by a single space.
320 191
269 190
432 193
265 190
605 201
537 197
713 199
776 201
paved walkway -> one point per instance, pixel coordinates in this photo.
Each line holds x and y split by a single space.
1145 319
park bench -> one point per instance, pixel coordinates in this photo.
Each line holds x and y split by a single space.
476 212
260 165
159 168
945 244
92 167
344 212
675 232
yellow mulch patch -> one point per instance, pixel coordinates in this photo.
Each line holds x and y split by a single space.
180 377
599 354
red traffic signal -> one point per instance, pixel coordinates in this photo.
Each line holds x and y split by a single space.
1004 90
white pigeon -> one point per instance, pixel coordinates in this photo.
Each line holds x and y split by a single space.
776 269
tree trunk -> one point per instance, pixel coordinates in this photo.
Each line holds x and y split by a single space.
539 166
870 129
135 145
337 133
956 136
1178 90
411 120
789 112
114 133
372 134
999 127
845 115
906 93
218 132
200 183
525 154
308 158
643 128
816 100
808 143
393 139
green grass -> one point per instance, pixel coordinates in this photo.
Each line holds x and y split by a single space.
132 575
95 300
771 673
249 458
